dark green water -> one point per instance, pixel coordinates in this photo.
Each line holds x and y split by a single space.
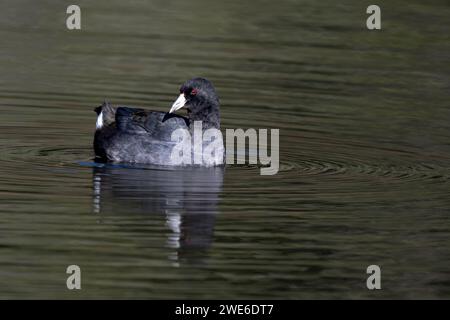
364 123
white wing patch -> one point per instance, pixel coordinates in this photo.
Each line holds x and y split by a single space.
99 123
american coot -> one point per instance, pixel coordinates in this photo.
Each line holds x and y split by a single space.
138 136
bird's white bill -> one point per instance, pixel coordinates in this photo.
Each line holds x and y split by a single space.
178 104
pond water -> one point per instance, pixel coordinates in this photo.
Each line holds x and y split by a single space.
364 176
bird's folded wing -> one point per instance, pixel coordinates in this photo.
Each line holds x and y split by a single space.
159 125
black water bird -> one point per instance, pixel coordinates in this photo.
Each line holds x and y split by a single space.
133 135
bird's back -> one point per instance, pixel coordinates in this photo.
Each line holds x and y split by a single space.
135 135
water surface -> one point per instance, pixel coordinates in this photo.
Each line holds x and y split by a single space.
364 125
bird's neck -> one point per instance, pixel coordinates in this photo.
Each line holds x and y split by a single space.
209 117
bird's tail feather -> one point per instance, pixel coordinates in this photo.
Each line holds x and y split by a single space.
107 112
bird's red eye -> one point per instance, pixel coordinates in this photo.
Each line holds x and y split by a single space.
194 92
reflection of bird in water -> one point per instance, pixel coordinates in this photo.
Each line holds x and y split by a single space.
188 199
